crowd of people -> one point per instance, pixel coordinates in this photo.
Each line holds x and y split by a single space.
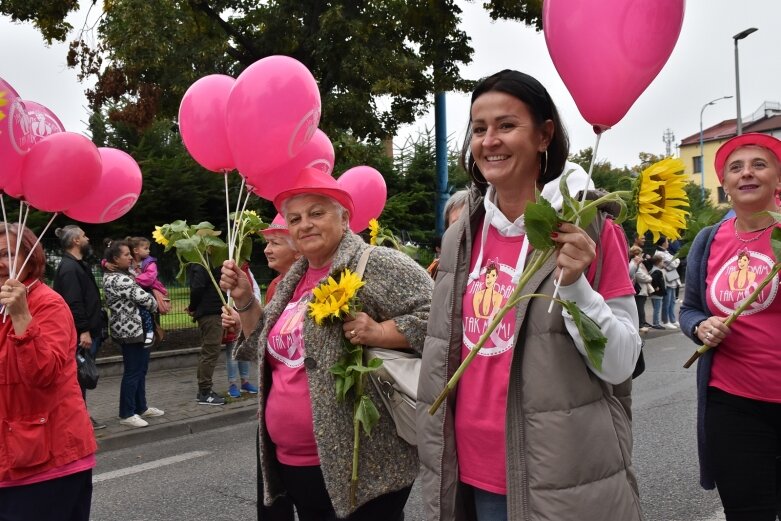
534 430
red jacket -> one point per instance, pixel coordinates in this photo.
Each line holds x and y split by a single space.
44 421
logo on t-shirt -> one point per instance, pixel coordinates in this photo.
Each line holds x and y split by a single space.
737 279
484 298
286 339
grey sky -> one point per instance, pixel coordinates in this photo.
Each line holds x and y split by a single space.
700 69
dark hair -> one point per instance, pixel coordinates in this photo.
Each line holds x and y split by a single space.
135 242
536 98
37 263
114 249
662 239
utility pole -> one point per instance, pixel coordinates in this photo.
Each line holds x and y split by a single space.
669 138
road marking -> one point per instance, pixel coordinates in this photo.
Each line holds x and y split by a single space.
135 469
718 516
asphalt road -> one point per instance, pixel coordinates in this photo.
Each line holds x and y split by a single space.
211 475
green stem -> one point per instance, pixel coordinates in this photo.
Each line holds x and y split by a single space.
211 276
539 258
612 196
735 314
356 435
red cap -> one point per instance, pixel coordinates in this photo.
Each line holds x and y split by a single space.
750 139
316 182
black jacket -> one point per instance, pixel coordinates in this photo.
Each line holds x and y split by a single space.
75 282
204 299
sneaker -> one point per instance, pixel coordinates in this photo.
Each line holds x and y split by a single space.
210 398
233 391
95 425
152 412
644 329
676 324
669 325
247 387
149 339
133 421
646 324
658 326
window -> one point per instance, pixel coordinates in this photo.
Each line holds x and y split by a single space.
722 196
697 164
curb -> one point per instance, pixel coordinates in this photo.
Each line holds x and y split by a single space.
132 437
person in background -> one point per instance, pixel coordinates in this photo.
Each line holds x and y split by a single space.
508 443
205 307
47 443
123 298
144 269
738 384
453 207
239 370
659 290
642 281
305 433
76 284
672 282
280 252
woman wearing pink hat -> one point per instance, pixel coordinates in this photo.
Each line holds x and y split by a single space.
280 251
738 384
306 436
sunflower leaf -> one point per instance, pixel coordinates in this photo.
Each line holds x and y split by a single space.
367 414
592 336
587 214
775 243
541 220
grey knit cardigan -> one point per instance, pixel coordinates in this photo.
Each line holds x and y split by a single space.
396 288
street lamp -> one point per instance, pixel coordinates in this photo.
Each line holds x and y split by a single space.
739 36
702 155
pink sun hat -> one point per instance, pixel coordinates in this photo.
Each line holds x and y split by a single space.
751 139
316 182
278 225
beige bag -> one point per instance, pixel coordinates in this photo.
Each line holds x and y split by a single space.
396 379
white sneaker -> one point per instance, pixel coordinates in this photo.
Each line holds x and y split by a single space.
645 329
133 421
669 325
152 412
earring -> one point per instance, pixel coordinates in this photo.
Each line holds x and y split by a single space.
544 158
474 175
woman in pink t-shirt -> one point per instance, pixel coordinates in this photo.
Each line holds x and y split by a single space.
534 430
738 382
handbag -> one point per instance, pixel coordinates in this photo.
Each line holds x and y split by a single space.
396 380
86 370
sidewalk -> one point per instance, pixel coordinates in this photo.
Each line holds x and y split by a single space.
172 390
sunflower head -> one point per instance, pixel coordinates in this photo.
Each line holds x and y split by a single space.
158 236
374 230
335 299
3 103
660 199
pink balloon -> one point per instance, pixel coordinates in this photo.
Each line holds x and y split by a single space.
15 139
59 171
608 51
116 192
43 122
318 153
367 188
202 122
273 111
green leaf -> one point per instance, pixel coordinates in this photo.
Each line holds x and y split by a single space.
367 414
203 226
586 216
592 336
541 220
187 245
179 226
375 363
775 242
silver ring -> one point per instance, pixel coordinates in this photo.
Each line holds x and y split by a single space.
708 335
352 334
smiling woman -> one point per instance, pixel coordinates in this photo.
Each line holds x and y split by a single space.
47 436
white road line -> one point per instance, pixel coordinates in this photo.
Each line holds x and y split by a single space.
135 469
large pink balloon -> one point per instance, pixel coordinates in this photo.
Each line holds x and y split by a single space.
318 153
608 51
202 122
273 111
15 139
59 170
43 122
116 192
367 188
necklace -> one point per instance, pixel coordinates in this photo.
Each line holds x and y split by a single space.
756 237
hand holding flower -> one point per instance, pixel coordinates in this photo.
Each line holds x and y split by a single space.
712 331
575 252
230 319
232 279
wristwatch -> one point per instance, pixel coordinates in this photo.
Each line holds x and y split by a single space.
694 331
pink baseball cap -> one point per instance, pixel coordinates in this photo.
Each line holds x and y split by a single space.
278 225
316 182
751 139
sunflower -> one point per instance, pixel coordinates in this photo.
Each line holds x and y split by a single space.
158 236
660 199
333 299
3 103
374 230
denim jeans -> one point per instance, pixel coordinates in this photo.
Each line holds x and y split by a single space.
97 341
490 506
668 308
656 302
235 366
132 390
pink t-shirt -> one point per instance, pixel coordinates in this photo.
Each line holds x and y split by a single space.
482 393
80 465
289 406
748 361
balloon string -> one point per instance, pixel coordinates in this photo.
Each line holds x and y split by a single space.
38 240
557 282
227 211
19 233
236 221
5 222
